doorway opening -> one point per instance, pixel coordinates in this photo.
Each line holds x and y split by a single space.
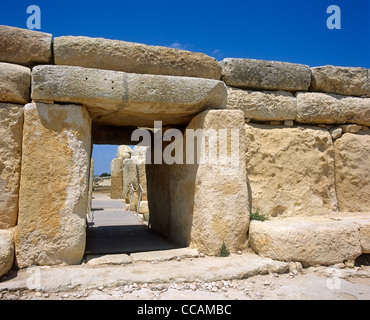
119 219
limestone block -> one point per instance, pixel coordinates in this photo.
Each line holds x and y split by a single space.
129 177
134 172
119 98
124 152
291 170
11 132
348 81
314 240
362 220
144 207
368 83
314 107
54 185
6 251
15 83
265 75
25 47
131 57
263 106
116 178
352 163
205 203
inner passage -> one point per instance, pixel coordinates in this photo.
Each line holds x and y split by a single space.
118 220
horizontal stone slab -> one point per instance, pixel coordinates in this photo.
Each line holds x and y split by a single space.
165 255
15 83
119 98
263 105
310 240
25 47
362 220
348 81
314 107
113 259
131 57
265 75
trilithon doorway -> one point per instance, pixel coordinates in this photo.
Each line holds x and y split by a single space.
116 222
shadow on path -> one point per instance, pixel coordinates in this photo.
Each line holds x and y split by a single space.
111 230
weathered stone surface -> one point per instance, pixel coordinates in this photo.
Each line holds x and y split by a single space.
54 185
336 133
120 259
314 107
25 47
291 170
362 220
165 255
314 240
198 204
6 251
11 127
368 83
15 83
352 163
263 106
265 75
116 178
124 152
348 81
131 57
119 98
134 172
144 207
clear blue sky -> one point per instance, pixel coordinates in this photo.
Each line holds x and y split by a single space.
282 30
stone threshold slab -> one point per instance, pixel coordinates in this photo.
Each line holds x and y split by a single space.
63 278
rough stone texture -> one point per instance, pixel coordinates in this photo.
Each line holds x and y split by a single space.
6 251
291 170
348 81
116 178
54 185
131 57
368 83
314 240
362 220
134 172
352 163
315 107
263 106
198 204
118 98
144 207
165 255
265 75
25 47
11 127
124 152
15 83
120 259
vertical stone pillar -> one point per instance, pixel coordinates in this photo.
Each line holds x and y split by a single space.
11 127
91 181
116 178
54 185
206 203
